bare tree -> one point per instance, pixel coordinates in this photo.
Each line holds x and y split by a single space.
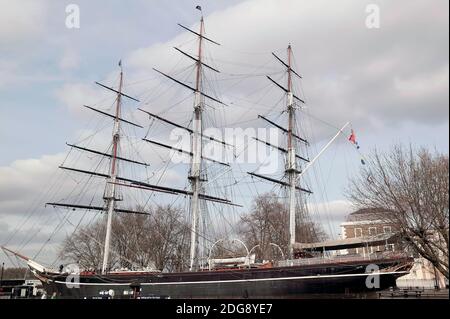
84 246
131 240
268 222
170 240
157 240
409 188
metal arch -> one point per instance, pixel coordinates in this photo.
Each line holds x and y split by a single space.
223 239
279 248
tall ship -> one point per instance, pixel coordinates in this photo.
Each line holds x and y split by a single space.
303 269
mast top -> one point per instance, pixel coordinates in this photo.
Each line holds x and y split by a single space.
199 8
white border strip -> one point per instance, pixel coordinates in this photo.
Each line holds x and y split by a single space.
235 280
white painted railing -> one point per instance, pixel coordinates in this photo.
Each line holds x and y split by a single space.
338 259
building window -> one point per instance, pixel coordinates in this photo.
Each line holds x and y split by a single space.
358 232
372 231
387 229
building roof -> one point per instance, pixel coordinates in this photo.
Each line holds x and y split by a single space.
365 214
348 243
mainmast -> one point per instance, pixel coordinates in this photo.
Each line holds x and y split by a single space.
196 164
110 194
291 162
196 159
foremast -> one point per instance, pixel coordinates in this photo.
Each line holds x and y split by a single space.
113 180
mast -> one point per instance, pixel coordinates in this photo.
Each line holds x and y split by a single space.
196 159
197 136
291 163
110 197
291 171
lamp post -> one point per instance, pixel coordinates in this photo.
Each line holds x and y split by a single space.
1 275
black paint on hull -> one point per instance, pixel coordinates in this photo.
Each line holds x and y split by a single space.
283 282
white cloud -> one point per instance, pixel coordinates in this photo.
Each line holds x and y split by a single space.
14 73
69 60
336 210
75 95
350 72
24 178
21 21
424 86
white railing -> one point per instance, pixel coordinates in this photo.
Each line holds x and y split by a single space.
338 259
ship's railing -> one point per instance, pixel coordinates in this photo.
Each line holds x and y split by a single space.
339 259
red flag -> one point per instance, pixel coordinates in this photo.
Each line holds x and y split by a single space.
352 137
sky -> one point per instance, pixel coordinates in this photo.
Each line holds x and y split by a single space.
390 82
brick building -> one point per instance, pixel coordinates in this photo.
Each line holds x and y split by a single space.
366 223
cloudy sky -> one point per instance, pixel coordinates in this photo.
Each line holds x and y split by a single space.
390 82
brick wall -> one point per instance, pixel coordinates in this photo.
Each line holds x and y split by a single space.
368 228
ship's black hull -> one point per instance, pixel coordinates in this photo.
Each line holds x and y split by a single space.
306 281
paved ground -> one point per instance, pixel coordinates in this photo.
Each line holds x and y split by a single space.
415 293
